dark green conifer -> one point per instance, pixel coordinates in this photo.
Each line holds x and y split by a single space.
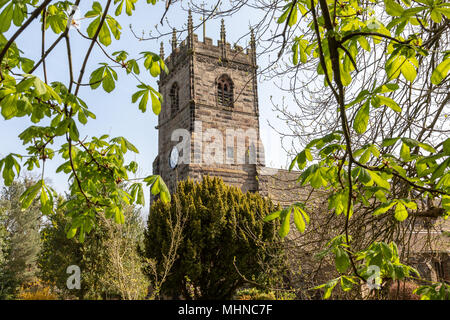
223 231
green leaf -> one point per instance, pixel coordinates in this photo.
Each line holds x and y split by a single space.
272 216
383 208
119 218
93 26
72 232
360 97
130 146
409 204
144 101
393 67
389 141
140 196
298 220
439 171
408 70
446 203
393 8
108 82
114 26
427 147
389 103
6 18
365 156
436 16
155 69
347 283
293 17
96 77
364 43
444 11
46 202
446 145
412 11
379 180
285 222
73 131
158 187
364 176
9 106
82 117
362 118
39 86
295 55
156 103
329 288
9 163
440 72
30 194
405 152
342 260
285 14
400 212
25 84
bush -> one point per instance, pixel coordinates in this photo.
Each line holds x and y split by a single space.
256 294
109 258
37 290
224 239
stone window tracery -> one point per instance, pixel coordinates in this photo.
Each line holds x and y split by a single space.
225 91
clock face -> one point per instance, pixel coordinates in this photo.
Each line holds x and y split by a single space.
173 157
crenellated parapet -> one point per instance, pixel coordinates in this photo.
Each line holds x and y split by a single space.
222 53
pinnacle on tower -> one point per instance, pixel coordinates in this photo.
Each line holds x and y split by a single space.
190 24
222 32
174 39
190 30
252 39
161 51
223 42
253 46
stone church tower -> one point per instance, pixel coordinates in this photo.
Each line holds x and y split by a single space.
209 123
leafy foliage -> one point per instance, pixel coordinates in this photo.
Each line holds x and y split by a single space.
224 229
95 166
391 174
103 274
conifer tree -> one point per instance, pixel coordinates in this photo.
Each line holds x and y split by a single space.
224 239
20 239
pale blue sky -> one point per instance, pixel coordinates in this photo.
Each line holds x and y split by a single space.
116 115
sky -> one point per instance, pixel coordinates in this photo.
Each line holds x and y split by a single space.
116 115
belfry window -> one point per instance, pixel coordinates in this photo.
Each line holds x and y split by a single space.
174 100
225 91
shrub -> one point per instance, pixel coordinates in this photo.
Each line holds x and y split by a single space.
109 259
37 290
256 294
224 239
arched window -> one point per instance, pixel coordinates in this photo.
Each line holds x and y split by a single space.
174 100
225 91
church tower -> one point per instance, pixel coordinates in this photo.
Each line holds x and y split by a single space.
209 122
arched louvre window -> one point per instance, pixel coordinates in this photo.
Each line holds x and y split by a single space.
225 91
174 99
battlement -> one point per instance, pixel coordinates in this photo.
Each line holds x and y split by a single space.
207 47
222 52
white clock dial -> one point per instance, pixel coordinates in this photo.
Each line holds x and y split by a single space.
174 157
